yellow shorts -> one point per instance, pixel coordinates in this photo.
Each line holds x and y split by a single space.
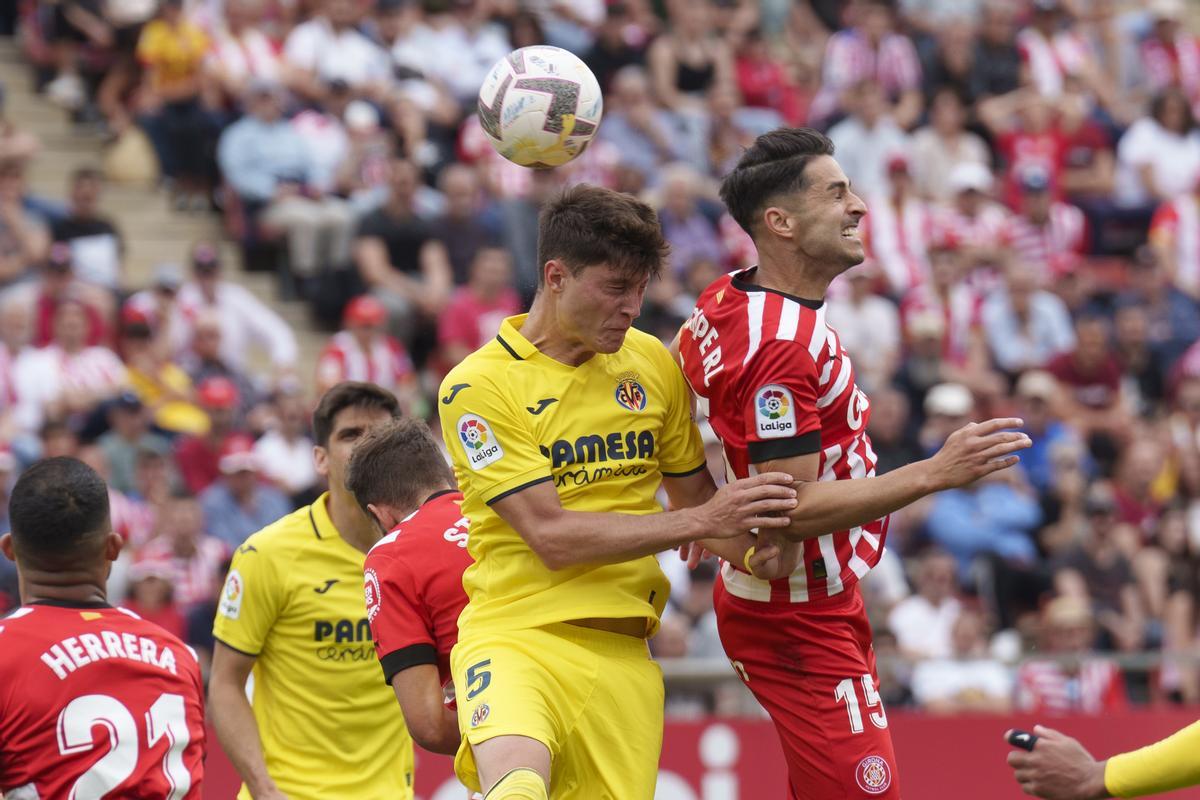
594 698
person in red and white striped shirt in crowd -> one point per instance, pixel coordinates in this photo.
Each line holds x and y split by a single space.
870 50
950 299
1170 55
1175 237
897 231
974 221
241 51
67 376
1092 686
1048 234
1053 53
195 558
364 351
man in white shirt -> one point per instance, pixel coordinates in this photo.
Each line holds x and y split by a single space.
246 321
330 47
923 622
867 140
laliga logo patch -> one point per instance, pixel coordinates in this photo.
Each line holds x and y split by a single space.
873 774
479 442
776 417
630 394
371 588
232 594
480 715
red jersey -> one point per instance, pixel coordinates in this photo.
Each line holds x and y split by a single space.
775 382
414 587
97 702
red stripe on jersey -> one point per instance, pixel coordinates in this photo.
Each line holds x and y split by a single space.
767 370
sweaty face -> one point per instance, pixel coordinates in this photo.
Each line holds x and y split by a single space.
827 213
597 307
349 425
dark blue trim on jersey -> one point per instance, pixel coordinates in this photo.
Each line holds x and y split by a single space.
313 520
746 286
69 603
438 494
414 655
508 347
701 468
803 445
234 649
516 489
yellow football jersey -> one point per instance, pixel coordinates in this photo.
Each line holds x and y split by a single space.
604 433
330 726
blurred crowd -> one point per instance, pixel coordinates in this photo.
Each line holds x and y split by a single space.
1032 173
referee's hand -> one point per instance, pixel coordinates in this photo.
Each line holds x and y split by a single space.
1058 768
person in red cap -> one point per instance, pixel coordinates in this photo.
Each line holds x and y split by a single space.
240 503
364 351
198 456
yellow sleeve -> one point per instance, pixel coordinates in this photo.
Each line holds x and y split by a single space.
250 600
493 449
682 451
149 43
1160 767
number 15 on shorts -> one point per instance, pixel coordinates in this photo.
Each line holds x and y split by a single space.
846 693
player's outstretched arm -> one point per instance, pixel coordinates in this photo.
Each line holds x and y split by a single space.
563 538
432 725
234 721
970 453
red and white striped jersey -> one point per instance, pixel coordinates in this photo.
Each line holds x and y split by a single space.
1176 225
1053 246
1174 63
960 311
1045 687
194 576
898 240
1051 61
987 229
775 382
386 363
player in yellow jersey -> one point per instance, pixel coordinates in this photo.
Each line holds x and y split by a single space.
322 723
1057 767
561 431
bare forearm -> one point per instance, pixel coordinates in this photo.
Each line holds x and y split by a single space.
237 731
827 506
585 537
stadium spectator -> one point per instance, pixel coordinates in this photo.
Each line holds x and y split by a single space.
1137 490
151 595
949 304
399 259
687 60
194 558
948 63
1026 327
128 436
204 360
943 144
476 310
245 320
868 327
891 431
97 248
363 351
239 503
996 67
689 231
870 51
868 139
645 133
1158 157
923 622
468 224
241 52
1086 683
968 680
1143 363
1170 55
1054 53
1175 236
1037 395
1048 234
284 452
329 47
157 380
362 175
764 82
56 283
973 221
24 239
198 456
1091 378
618 44
265 159
896 230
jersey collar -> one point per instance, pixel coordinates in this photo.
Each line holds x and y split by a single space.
739 281
510 338
318 514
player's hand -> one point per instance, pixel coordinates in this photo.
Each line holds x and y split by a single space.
271 793
1058 768
760 501
775 556
693 553
976 450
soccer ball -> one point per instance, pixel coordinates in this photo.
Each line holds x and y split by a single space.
540 106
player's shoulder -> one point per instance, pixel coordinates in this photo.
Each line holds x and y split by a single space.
647 347
480 367
283 535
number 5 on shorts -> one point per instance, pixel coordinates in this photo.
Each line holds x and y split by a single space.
476 674
845 693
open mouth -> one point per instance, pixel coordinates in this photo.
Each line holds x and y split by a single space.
850 232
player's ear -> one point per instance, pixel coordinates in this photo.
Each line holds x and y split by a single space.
779 222
6 547
379 516
554 274
112 546
321 460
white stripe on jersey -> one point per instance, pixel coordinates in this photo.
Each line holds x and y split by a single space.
839 386
820 333
859 566
832 455
789 321
747 587
798 585
833 567
754 316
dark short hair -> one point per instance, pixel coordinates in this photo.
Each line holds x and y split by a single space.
588 225
772 166
55 506
397 464
87 173
349 394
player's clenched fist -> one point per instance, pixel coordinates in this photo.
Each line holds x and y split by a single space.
976 450
760 501
1058 768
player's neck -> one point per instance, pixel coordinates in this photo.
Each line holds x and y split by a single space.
791 274
542 330
75 587
351 523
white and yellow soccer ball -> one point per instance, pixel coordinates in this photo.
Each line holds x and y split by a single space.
540 106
